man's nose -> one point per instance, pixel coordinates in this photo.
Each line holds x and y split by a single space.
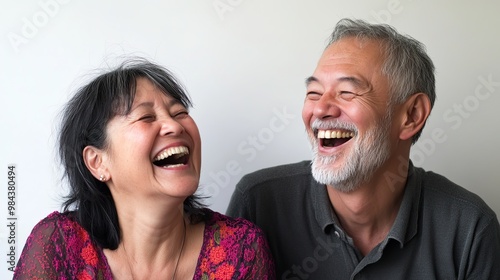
326 107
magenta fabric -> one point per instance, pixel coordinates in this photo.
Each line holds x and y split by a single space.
59 248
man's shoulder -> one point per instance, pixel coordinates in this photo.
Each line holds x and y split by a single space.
270 175
260 192
439 188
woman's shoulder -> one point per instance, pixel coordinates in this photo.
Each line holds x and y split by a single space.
219 221
233 248
225 230
57 220
57 217
62 224
59 246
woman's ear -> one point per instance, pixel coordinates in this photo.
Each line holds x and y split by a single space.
93 158
416 111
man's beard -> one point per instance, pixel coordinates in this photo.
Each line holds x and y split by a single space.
360 163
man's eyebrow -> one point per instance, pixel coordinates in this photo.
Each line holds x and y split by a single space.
311 79
350 79
353 80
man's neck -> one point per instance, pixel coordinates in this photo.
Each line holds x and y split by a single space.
368 213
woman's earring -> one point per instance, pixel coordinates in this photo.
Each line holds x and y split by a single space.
102 178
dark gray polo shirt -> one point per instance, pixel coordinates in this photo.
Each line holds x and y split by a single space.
442 231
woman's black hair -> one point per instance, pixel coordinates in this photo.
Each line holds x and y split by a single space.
84 123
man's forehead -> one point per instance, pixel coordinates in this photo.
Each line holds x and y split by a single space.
348 61
349 47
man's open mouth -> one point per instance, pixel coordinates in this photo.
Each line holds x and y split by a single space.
172 157
334 138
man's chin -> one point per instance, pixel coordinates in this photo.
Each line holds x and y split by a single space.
326 162
335 177
345 187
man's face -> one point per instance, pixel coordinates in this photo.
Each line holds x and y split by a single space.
346 114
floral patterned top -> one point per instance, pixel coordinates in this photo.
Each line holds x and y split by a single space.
59 248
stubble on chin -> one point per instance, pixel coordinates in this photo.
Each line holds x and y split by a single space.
357 165
342 178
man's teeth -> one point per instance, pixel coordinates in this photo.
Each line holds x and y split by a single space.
329 134
181 150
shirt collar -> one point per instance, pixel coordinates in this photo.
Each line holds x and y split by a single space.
322 206
405 225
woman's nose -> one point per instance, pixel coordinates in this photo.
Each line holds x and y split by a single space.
170 126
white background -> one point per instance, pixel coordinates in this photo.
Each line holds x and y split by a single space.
244 63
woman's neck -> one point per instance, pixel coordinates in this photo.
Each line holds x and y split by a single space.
152 240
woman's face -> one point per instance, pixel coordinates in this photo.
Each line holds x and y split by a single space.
155 150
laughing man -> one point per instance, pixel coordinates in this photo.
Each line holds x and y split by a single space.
360 209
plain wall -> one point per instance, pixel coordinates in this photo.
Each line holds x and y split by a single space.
244 64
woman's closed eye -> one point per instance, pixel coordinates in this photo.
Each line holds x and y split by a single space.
180 114
147 118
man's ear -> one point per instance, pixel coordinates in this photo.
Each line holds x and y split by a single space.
416 111
93 158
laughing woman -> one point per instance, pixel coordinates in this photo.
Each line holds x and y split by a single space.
132 155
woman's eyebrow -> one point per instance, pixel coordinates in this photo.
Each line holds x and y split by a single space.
142 104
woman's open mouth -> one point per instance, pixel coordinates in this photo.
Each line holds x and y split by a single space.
172 157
